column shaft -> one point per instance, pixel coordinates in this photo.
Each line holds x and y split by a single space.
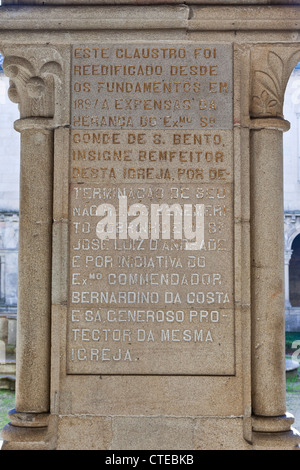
34 291
267 257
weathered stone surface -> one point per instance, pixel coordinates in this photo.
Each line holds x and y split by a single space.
152 433
219 434
84 433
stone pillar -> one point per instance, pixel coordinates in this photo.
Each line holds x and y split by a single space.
34 294
270 73
287 258
267 255
32 86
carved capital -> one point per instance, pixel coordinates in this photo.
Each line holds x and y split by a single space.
33 79
271 66
287 256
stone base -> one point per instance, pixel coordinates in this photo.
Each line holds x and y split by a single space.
146 433
289 440
18 438
170 433
28 431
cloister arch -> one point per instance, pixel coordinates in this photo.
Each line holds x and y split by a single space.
9 231
291 158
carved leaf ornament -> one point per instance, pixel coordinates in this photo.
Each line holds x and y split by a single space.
32 85
271 86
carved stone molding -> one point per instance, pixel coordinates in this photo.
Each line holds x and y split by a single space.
33 78
271 66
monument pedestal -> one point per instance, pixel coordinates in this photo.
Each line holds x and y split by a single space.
151 299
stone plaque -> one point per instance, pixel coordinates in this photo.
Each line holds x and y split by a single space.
151 128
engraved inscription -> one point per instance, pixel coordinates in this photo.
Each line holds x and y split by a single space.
152 87
140 304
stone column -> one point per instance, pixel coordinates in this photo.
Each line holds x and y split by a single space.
267 245
33 86
267 256
287 258
34 292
